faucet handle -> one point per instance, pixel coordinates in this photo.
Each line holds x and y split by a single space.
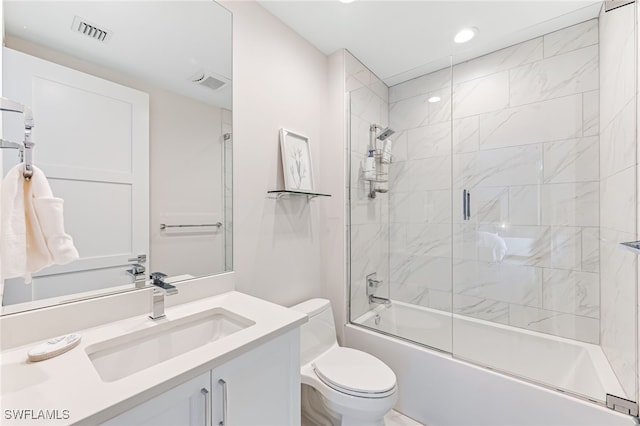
158 281
158 278
374 283
136 270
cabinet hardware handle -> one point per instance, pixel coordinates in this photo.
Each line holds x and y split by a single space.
207 405
224 402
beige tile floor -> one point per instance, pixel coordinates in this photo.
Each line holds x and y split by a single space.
393 418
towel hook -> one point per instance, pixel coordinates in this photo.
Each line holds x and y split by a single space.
26 151
28 143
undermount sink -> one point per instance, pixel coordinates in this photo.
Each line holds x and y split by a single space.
128 354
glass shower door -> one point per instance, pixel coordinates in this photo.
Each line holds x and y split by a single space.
400 227
542 197
420 200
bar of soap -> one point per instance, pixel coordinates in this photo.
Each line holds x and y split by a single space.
53 347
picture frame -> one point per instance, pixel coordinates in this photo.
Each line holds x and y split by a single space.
296 161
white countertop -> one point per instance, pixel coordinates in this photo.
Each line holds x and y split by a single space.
70 381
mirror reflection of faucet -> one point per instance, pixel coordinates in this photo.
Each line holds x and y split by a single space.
137 271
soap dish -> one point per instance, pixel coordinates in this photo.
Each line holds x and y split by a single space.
53 347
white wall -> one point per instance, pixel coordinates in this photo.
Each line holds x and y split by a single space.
1 158
279 80
637 197
334 209
186 156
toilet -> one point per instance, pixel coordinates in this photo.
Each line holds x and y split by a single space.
340 386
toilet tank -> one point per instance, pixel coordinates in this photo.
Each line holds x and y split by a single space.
319 334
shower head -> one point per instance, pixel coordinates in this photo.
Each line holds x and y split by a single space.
386 133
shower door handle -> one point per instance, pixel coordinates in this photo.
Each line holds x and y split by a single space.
466 204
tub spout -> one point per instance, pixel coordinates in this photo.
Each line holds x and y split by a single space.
379 300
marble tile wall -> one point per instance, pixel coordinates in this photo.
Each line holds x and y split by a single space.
420 187
520 129
368 228
618 208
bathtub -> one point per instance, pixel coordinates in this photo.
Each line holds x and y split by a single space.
437 389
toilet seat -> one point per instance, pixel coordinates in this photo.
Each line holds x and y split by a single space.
355 373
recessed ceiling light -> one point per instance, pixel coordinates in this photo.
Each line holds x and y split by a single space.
347 1
434 99
465 34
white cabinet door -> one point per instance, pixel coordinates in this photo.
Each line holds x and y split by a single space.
181 406
92 142
262 386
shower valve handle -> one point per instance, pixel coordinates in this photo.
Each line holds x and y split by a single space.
374 283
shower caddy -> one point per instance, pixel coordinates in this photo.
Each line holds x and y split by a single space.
382 161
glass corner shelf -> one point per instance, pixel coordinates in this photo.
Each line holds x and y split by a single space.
633 246
281 193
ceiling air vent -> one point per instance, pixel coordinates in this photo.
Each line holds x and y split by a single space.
209 81
85 27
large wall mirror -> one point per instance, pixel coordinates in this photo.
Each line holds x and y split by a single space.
133 130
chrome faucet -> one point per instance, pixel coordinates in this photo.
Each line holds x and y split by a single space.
160 288
372 285
137 271
379 300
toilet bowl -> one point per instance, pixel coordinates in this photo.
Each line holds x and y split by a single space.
340 386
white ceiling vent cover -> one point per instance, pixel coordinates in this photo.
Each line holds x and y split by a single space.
209 80
82 26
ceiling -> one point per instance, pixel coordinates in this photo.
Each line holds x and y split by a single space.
400 40
169 42
166 43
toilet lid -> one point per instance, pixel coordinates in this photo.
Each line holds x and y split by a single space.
355 372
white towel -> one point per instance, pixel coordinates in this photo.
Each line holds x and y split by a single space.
494 242
32 233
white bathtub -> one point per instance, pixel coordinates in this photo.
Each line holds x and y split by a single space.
437 389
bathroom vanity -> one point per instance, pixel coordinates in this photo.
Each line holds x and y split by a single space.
226 358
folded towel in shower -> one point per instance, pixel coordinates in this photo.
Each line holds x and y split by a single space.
495 242
32 233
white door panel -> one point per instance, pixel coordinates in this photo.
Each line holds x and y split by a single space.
105 204
92 142
94 130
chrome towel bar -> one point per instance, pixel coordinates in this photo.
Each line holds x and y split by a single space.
165 226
